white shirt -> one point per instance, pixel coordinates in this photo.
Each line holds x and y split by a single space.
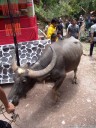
93 29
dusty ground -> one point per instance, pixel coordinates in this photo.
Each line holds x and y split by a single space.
77 105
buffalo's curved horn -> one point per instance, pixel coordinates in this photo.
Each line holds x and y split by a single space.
44 71
17 68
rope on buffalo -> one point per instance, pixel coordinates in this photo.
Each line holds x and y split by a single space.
13 117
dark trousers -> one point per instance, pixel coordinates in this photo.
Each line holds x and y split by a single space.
4 124
91 48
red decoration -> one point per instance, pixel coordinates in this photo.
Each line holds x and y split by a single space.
25 27
5 9
25 33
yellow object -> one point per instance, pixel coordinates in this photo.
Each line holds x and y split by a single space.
51 30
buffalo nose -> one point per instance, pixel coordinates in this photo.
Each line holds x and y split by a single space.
14 101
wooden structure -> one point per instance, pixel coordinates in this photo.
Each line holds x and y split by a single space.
24 21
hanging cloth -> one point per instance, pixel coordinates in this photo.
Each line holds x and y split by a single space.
14 6
14 10
4 6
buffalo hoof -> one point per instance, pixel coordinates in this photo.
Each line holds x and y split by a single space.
57 98
15 103
74 81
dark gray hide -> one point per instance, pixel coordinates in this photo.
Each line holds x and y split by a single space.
68 54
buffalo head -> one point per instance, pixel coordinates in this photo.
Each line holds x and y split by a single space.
25 78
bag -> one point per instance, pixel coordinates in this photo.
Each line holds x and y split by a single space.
4 124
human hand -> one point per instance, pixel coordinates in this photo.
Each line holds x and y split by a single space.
10 108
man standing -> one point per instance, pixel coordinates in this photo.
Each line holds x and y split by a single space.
93 37
60 27
52 28
80 20
73 29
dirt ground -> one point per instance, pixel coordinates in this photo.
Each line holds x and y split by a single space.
77 105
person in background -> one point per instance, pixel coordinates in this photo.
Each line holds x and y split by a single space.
80 20
73 29
67 22
8 106
93 37
60 27
46 27
53 38
59 35
61 21
52 28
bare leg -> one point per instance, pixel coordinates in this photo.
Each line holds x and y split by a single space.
75 77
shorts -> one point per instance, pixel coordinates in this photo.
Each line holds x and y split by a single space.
4 124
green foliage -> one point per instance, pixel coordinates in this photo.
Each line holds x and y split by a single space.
89 5
54 10
49 9
49 2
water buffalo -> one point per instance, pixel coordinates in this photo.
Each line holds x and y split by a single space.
58 59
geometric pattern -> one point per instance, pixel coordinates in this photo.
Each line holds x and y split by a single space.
29 52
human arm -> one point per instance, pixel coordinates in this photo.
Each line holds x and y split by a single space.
9 106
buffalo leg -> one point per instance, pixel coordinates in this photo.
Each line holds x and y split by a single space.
57 86
75 77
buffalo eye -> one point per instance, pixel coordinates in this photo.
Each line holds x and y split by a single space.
24 80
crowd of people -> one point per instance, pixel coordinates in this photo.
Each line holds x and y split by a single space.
56 26
54 29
